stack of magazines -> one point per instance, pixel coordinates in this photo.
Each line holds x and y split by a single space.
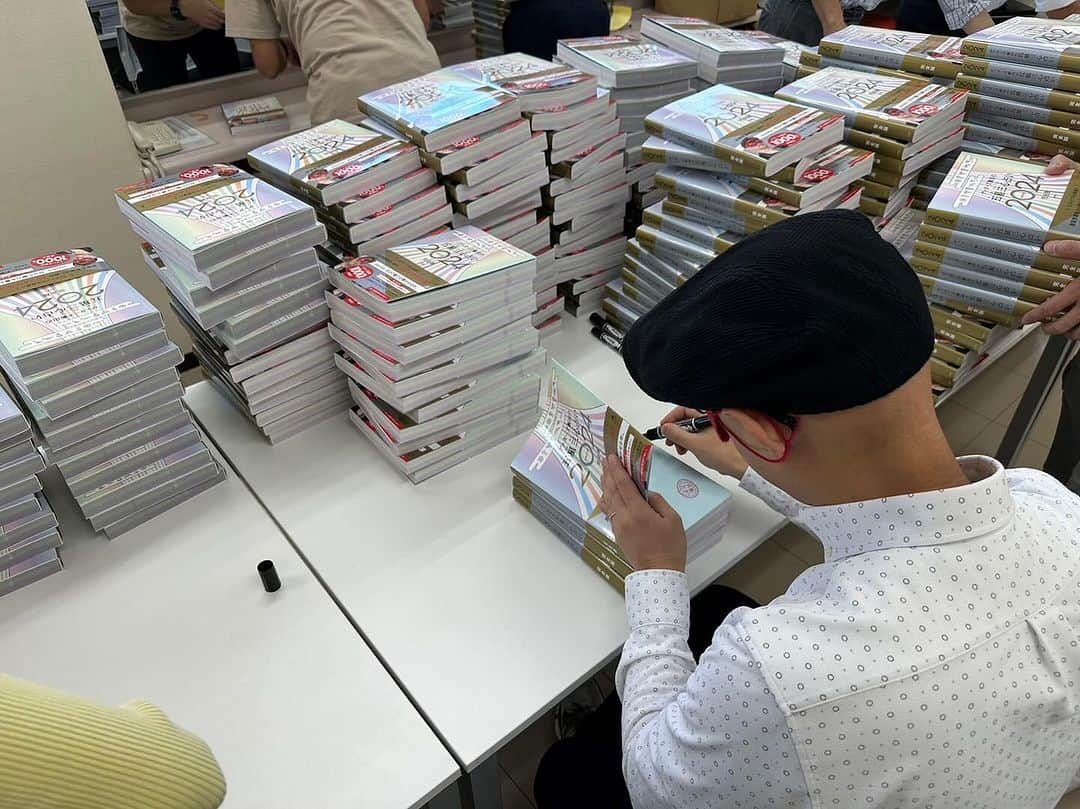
979 250
437 343
90 361
367 188
1023 76
907 122
640 76
557 477
29 535
235 255
726 154
724 56
901 54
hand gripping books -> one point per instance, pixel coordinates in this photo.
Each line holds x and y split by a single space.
441 108
753 134
334 161
557 476
907 110
219 223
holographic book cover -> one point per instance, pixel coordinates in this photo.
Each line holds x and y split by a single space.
563 458
327 154
1014 199
447 258
1029 40
715 37
41 319
521 74
207 205
434 101
619 53
737 121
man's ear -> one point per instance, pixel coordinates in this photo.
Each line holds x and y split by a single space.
756 430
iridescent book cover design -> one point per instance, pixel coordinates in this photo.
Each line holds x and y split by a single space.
1011 194
1044 41
204 206
618 53
563 458
520 73
448 258
50 316
329 152
432 102
714 37
853 91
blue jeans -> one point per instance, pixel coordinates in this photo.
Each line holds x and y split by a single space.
796 20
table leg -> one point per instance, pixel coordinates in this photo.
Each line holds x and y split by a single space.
1052 362
484 786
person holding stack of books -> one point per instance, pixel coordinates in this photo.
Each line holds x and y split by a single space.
345 47
921 663
807 21
1061 316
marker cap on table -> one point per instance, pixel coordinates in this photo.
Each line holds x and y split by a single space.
269 576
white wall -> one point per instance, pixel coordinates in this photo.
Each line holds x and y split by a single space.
64 145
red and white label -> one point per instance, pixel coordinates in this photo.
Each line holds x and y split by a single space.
348 170
470 141
201 173
782 140
358 270
538 84
382 211
372 191
817 175
50 260
923 110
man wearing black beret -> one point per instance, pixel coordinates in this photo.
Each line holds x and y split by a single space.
932 659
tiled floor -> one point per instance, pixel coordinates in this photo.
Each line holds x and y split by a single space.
974 420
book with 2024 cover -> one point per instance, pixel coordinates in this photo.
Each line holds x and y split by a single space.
317 159
907 110
1007 199
563 458
922 54
523 75
1033 41
756 134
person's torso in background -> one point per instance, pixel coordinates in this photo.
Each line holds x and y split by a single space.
161 29
350 47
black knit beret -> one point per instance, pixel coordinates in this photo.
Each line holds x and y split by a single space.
812 315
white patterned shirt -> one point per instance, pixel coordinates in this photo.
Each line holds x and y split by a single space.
932 660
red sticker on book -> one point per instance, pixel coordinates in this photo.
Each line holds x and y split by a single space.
539 84
50 260
200 173
817 175
588 150
382 211
357 270
372 191
923 110
470 141
782 140
556 108
348 170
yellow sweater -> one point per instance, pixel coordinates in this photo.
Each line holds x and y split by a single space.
62 752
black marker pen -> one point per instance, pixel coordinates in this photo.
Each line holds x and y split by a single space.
606 338
694 425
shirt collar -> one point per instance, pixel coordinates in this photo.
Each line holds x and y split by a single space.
910 520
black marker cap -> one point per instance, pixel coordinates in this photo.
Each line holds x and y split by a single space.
269 576
597 319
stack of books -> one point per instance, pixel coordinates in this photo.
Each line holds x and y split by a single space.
557 477
29 534
640 77
1023 76
732 162
489 17
256 116
793 52
436 341
235 255
90 361
907 123
979 249
724 56
858 47
368 188
454 14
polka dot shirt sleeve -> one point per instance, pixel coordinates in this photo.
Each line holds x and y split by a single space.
708 734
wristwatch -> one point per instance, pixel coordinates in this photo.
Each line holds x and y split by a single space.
174 10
